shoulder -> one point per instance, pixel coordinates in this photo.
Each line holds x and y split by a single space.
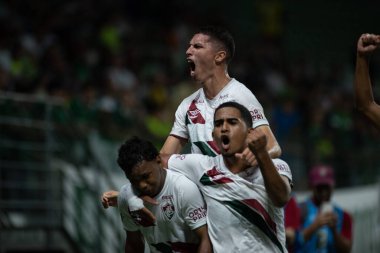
180 182
194 96
193 158
237 87
281 165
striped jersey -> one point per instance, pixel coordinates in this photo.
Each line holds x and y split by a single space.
181 209
195 115
240 215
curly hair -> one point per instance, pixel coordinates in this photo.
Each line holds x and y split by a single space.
134 151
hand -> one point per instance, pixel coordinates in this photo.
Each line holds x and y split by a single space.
367 43
143 217
109 198
328 218
248 157
257 141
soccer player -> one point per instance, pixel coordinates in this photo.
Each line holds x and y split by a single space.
180 211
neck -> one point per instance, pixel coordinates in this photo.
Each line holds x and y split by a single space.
235 165
215 84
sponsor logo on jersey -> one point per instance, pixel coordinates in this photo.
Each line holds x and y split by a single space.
194 114
282 167
256 115
167 206
198 213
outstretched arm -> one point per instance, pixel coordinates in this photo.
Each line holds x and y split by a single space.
277 186
364 100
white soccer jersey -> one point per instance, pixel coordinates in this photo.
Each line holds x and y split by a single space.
181 209
194 117
240 215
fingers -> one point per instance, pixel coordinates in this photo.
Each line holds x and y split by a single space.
149 200
248 157
109 198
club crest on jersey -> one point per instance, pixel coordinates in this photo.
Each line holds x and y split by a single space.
167 206
194 114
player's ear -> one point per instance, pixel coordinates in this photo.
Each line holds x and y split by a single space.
220 56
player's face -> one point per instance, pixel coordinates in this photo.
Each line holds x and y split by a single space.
148 177
201 57
230 131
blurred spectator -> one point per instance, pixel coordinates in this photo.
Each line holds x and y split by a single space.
325 227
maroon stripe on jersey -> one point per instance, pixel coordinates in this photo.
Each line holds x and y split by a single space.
254 204
213 145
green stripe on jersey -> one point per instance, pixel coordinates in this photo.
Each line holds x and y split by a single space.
255 218
205 149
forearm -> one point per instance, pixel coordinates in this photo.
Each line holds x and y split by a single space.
342 244
309 231
205 243
278 190
363 89
134 243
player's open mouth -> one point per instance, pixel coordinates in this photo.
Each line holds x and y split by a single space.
225 142
191 66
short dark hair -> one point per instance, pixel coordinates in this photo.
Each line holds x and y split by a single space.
223 36
245 114
134 151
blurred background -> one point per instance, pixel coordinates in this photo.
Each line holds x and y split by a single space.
79 77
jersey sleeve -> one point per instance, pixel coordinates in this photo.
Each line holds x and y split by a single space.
189 165
193 207
126 218
250 101
283 168
179 128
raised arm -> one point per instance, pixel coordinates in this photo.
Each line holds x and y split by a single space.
364 100
277 186
272 147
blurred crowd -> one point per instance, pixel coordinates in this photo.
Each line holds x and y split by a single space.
123 72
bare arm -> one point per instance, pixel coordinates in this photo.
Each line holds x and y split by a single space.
342 244
205 243
277 186
173 145
134 243
364 100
